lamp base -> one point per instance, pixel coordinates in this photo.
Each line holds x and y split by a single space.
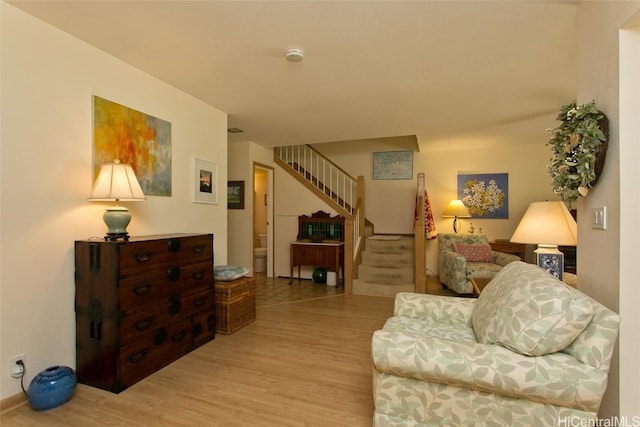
116 218
550 259
115 236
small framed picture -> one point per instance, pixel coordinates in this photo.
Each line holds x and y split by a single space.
205 182
235 195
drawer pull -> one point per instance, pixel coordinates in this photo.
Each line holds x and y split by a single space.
199 302
173 274
159 336
142 289
198 275
174 245
143 324
174 305
196 330
198 249
177 337
143 257
95 330
137 357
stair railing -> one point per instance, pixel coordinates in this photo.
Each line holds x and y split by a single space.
320 174
339 189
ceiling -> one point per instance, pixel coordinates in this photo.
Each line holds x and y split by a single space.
372 69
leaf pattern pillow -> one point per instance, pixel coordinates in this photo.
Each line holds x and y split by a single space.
529 311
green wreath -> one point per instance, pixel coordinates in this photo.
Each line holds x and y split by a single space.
579 146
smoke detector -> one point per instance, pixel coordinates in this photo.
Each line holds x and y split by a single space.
294 55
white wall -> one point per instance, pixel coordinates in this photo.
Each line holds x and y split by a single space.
390 204
48 79
599 257
629 207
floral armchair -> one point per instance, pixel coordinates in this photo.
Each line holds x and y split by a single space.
461 256
530 351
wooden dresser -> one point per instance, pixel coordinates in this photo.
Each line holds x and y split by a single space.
140 305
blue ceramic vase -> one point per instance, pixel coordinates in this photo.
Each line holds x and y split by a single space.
51 387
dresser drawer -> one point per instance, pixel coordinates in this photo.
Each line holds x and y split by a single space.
146 287
157 254
203 327
136 325
158 349
197 301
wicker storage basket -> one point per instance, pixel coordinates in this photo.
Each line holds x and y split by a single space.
235 304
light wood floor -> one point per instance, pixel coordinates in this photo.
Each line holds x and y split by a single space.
305 361
302 363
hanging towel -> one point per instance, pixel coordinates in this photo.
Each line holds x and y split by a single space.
429 224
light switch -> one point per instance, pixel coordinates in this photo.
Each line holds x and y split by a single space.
599 217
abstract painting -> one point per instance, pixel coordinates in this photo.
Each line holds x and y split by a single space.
133 138
486 196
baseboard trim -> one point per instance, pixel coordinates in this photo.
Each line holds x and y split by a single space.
12 402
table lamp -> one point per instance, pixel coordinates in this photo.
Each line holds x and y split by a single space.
547 224
456 209
116 182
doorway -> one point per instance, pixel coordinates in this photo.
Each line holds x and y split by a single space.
263 218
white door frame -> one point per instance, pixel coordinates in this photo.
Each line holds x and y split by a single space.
269 200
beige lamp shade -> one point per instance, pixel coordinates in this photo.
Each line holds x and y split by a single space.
456 208
116 181
547 223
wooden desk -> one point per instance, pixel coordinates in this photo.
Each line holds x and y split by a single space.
328 255
509 248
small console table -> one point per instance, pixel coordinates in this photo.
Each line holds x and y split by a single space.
320 242
317 254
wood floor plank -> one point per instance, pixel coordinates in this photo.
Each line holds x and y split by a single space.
304 363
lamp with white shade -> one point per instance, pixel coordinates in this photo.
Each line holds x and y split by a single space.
116 182
547 224
456 209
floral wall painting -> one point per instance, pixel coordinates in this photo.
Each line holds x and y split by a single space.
235 195
134 138
393 165
486 196
205 182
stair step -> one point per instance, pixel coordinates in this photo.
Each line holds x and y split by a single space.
386 274
385 258
362 287
390 244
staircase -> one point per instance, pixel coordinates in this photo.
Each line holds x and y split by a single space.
387 266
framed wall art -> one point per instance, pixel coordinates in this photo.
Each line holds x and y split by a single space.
235 195
393 165
205 182
486 196
133 138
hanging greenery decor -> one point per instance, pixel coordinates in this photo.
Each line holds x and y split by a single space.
579 148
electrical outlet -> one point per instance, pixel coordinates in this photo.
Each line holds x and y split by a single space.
16 369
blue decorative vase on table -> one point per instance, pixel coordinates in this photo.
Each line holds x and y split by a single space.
319 275
51 387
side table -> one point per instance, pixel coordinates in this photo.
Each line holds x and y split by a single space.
479 284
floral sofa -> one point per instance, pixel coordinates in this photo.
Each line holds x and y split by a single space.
530 351
461 256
